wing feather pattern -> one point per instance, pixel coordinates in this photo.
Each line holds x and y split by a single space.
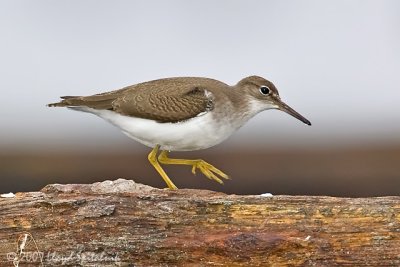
166 101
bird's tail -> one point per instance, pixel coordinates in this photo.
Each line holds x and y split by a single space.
66 102
99 101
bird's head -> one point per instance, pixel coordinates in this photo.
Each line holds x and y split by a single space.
262 94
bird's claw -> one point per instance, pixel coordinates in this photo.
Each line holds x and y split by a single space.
209 171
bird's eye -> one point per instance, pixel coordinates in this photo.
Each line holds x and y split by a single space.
265 90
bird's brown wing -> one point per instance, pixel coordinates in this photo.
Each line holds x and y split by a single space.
167 104
166 101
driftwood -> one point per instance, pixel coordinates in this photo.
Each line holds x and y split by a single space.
122 223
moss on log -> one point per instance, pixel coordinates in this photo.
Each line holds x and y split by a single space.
122 223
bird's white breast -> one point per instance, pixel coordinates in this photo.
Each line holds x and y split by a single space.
197 133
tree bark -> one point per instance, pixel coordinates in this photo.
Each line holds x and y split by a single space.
122 223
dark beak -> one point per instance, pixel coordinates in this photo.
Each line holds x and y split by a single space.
282 106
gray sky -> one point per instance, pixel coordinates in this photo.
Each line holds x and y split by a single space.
336 62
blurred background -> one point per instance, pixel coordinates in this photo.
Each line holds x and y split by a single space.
336 62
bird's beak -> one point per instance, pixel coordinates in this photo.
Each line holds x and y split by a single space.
282 106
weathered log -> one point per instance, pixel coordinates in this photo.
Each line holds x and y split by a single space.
122 223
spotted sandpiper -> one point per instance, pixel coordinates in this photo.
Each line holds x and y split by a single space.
182 114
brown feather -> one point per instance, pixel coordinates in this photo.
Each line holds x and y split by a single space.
165 100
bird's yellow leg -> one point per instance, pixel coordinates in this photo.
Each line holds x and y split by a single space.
207 169
153 160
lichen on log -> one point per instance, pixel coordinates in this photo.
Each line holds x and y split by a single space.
122 223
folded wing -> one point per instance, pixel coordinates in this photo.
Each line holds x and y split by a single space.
169 101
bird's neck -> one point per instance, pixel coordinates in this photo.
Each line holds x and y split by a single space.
242 110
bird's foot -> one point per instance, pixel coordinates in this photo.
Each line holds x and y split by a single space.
209 171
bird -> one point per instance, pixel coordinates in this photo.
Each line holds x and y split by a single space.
182 114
